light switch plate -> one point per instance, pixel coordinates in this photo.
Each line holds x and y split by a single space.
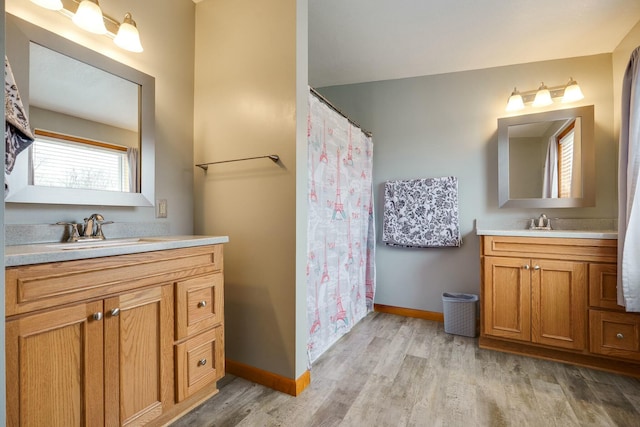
161 208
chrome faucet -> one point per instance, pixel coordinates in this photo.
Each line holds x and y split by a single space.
87 230
91 230
542 223
93 226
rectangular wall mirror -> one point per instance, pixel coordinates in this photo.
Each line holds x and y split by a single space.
93 118
547 160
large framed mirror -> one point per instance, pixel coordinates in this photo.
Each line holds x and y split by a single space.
547 160
93 119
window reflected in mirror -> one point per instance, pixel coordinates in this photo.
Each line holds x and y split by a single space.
70 162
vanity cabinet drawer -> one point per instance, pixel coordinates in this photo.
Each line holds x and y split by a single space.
593 250
199 362
199 304
40 286
615 334
603 286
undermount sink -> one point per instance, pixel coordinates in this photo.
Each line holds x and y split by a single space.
106 243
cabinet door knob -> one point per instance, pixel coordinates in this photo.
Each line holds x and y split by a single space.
202 362
115 311
202 304
97 316
537 267
526 266
619 336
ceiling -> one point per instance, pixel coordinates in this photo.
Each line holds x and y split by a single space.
354 41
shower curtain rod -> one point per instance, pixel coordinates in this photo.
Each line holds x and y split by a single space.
337 110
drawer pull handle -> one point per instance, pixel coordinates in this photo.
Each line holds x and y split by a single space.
97 316
526 267
537 267
115 312
619 336
202 304
202 362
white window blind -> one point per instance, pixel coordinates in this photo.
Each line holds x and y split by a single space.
59 163
565 167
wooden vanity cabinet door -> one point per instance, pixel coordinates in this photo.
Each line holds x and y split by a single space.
138 355
55 368
507 298
559 306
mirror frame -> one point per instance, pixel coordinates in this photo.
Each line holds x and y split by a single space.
19 34
588 159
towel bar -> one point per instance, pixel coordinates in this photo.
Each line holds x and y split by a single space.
205 166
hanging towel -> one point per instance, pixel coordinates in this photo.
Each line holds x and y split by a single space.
18 134
421 213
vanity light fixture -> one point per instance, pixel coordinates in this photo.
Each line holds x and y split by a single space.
544 95
88 15
49 4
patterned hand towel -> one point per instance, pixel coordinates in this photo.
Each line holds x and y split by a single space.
421 213
18 134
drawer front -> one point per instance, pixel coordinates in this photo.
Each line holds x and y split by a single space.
199 362
615 334
603 286
39 286
595 250
199 304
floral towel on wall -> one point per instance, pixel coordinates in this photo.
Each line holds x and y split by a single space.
341 235
421 213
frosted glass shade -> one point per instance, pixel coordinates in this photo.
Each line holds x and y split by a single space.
89 17
49 4
572 92
543 97
515 102
128 37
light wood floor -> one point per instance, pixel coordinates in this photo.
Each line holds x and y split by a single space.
398 371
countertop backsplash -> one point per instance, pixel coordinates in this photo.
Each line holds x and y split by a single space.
25 234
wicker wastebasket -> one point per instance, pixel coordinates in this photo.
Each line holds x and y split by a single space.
460 313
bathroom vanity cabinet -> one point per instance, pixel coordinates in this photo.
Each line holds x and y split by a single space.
133 339
555 298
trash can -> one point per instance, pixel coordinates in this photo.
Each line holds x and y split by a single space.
460 314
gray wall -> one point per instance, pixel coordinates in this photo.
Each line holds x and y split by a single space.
166 30
445 125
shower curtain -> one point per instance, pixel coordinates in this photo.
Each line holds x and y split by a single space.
629 189
341 235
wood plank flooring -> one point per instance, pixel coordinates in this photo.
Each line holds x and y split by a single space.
399 371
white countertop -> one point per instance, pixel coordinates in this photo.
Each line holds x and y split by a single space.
592 228
572 234
53 252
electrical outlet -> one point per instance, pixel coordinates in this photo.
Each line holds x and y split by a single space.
161 208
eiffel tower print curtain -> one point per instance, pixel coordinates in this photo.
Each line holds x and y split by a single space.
341 234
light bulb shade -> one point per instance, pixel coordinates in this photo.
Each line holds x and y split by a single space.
128 37
543 97
572 92
89 17
515 102
49 4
